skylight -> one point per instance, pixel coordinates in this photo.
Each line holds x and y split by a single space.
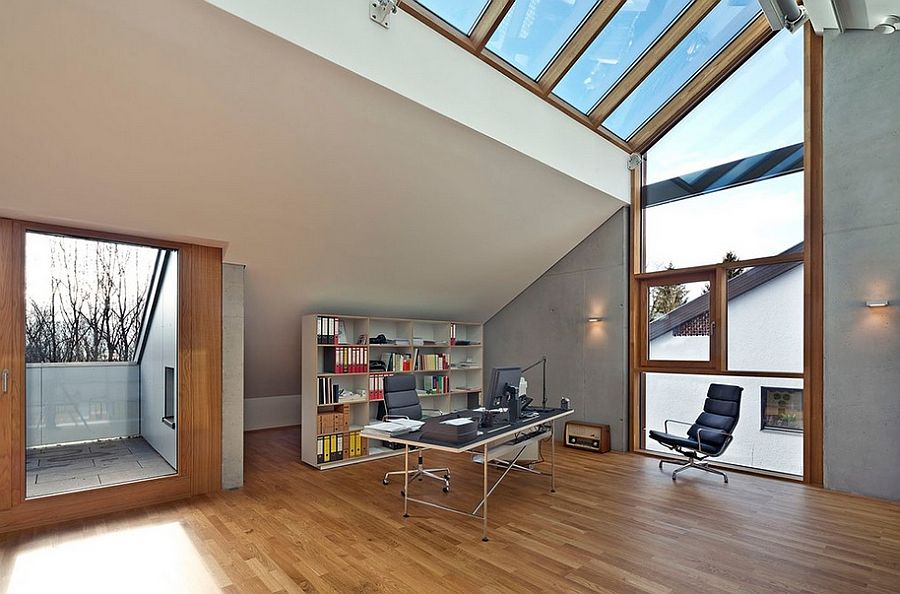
461 14
533 31
703 43
625 38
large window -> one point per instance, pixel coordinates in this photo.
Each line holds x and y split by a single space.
721 286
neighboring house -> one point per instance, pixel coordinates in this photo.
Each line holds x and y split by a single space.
765 330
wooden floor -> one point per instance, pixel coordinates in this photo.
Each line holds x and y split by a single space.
615 524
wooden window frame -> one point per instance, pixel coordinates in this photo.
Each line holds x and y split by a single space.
811 258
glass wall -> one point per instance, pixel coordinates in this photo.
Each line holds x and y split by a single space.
724 196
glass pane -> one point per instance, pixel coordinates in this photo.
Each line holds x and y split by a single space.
628 34
706 40
100 331
765 318
462 14
534 30
765 437
679 322
750 221
773 78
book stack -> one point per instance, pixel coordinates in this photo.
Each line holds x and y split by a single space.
330 448
376 385
358 445
397 361
328 391
432 362
333 422
345 360
327 329
436 384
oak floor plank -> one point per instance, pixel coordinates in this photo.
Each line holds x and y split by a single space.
615 524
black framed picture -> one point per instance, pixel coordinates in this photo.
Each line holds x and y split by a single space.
782 409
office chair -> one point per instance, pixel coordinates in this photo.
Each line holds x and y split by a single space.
402 402
708 436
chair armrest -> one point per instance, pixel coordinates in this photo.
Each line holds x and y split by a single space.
393 417
676 422
700 430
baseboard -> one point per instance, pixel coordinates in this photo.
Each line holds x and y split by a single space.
269 412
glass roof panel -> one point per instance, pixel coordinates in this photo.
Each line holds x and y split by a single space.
625 38
772 77
707 39
533 31
461 14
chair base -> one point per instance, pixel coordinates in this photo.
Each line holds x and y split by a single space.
692 463
420 472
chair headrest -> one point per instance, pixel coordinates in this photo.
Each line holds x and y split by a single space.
400 382
725 392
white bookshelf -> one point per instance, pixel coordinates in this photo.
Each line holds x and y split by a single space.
464 374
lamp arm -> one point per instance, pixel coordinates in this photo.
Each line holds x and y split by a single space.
543 363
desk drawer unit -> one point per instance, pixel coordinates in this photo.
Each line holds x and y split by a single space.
586 436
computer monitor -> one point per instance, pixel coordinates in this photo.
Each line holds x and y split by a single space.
500 378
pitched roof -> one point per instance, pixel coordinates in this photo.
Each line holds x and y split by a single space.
737 286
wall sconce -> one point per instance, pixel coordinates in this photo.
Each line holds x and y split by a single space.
595 319
878 303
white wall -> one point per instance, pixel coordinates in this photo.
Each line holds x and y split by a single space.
862 234
765 329
66 402
420 64
161 351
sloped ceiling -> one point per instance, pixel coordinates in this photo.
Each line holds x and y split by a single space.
172 119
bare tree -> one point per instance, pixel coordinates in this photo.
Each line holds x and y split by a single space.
95 304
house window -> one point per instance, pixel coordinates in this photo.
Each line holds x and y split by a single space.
781 409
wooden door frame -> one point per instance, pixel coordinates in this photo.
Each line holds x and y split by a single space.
199 422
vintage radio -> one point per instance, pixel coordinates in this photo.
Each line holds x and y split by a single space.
587 436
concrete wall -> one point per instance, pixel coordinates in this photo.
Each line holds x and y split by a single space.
66 402
161 351
862 236
765 332
586 362
232 376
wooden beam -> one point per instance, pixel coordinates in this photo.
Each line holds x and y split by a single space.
636 333
437 24
575 46
488 22
651 58
813 285
705 82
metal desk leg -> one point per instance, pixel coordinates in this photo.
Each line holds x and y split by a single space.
484 515
405 481
552 460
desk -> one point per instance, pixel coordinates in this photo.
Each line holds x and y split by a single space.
483 441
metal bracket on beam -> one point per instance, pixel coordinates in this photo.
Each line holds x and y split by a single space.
380 11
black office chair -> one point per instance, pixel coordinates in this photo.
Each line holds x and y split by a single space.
708 436
402 402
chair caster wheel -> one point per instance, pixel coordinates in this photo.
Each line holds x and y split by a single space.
385 482
446 477
660 464
402 494
446 489
726 481
673 478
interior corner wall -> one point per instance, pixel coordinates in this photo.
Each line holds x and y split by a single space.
586 362
161 351
232 376
862 235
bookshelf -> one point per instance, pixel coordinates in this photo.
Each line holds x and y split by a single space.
451 372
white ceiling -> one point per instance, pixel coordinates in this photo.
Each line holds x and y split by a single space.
174 120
